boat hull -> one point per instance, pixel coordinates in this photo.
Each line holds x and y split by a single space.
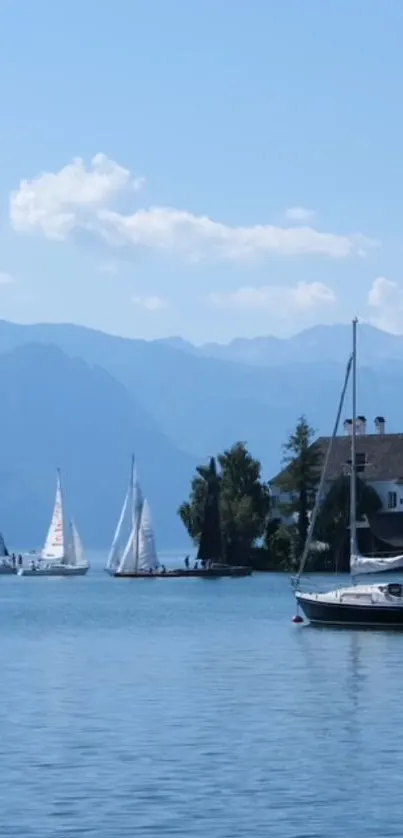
182 573
58 571
7 570
320 612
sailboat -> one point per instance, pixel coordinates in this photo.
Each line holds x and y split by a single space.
62 554
375 605
133 552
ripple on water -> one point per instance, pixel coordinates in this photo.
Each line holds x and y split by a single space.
192 709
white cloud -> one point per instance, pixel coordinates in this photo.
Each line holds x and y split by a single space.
281 300
196 237
149 303
75 197
108 268
55 204
301 215
138 183
6 278
386 299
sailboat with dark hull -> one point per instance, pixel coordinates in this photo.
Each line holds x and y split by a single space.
366 605
211 554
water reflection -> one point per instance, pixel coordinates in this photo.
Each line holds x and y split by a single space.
192 711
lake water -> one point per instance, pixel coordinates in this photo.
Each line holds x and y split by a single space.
192 708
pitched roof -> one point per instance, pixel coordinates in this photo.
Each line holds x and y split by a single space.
383 456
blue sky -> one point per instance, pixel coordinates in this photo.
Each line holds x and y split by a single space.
233 167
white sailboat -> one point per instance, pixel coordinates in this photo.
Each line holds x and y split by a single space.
60 556
376 605
133 552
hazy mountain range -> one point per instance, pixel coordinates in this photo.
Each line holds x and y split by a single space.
84 400
329 343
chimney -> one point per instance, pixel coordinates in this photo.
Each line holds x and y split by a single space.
348 426
361 425
380 425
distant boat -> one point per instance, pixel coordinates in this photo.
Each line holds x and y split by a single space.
62 555
6 565
133 552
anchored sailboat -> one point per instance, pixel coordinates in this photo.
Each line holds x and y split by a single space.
133 552
377 605
61 555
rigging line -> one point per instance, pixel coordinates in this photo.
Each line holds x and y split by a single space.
315 510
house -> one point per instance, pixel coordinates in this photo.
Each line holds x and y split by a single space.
379 458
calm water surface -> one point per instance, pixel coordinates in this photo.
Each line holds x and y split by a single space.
192 708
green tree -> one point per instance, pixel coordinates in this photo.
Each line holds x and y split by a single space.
334 517
302 460
281 549
244 501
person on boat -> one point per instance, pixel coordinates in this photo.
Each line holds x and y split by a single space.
163 569
19 560
196 565
13 560
187 562
33 565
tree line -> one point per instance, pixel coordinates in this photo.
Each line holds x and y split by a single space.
253 530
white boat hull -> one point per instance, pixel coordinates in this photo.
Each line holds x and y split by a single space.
54 570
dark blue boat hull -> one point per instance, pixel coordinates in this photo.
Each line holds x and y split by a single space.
347 614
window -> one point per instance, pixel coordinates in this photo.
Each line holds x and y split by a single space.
392 500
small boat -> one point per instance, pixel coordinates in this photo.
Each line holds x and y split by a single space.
63 553
133 553
366 605
215 570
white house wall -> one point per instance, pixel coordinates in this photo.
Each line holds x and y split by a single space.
383 488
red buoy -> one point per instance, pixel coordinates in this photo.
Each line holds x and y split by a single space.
297 619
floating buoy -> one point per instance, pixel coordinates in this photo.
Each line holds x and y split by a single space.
297 619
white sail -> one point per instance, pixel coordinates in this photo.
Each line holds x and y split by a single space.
128 563
123 555
366 564
138 498
147 551
114 557
77 556
55 546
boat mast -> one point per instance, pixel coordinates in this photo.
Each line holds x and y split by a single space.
319 492
133 510
353 472
65 540
137 515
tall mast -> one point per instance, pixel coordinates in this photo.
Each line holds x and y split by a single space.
65 539
137 510
353 473
132 507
